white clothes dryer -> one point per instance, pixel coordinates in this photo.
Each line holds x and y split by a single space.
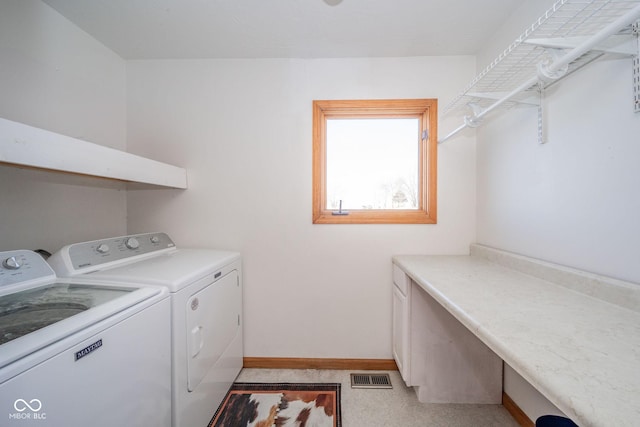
75 353
206 303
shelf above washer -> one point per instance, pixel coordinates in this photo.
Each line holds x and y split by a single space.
27 146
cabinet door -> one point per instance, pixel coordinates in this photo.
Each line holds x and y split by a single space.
400 337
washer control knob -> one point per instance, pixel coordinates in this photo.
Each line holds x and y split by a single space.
132 243
11 263
155 239
102 248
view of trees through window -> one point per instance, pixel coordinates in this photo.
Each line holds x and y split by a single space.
372 163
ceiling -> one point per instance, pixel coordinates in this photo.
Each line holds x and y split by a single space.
163 29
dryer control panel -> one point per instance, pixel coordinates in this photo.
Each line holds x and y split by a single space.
86 257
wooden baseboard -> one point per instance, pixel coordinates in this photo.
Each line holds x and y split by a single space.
307 363
515 411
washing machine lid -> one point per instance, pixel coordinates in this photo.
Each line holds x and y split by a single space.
174 270
37 309
36 317
29 310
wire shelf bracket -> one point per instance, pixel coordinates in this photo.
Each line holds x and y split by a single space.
528 97
570 35
624 45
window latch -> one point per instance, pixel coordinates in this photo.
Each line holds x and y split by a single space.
340 211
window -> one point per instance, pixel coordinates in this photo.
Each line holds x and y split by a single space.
374 161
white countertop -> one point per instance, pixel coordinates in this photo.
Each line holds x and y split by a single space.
579 351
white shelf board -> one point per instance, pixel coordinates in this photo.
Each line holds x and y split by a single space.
28 146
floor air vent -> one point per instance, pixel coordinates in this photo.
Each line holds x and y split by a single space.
370 381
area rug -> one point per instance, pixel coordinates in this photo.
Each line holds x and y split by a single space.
279 405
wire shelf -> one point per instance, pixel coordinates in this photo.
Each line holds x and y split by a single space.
518 63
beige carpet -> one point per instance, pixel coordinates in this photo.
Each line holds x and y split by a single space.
395 407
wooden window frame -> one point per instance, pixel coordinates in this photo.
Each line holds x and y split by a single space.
423 109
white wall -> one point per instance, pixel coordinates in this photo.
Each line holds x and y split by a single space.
242 129
55 76
574 200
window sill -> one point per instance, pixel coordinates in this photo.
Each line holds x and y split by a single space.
391 216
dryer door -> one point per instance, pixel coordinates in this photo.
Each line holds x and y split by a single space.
213 320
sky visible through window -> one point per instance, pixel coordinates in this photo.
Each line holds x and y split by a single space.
372 163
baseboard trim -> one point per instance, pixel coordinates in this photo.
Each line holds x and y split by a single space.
515 411
310 363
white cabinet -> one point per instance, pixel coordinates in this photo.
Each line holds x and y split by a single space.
438 355
401 314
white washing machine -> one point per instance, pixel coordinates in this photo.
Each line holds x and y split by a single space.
75 353
206 303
